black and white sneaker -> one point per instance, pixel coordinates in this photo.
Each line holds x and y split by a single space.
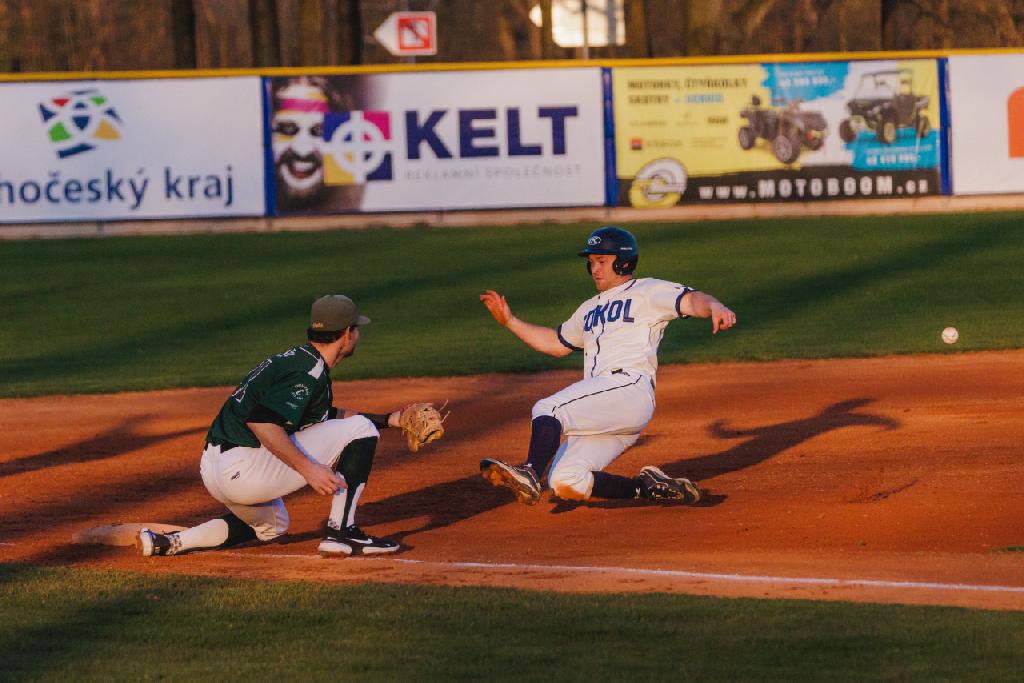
520 478
659 486
354 541
150 543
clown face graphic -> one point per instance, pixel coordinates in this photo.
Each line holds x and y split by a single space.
297 140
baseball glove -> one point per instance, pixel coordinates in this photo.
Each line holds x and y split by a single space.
422 423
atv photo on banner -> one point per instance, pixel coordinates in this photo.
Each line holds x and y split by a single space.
786 127
776 132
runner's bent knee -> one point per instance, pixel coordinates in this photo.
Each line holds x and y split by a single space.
547 406
571 482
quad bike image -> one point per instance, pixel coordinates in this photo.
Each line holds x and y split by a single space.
885 102
787 127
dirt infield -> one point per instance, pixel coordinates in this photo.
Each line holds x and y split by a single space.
890 479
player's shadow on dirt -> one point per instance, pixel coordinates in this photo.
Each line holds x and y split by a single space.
437 506
111 443
762 443
559 506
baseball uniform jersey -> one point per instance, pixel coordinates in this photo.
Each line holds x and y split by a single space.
618 331
621 328
292 389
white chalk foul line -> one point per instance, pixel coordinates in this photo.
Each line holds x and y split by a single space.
680 574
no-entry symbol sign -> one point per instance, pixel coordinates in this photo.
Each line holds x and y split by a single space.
409 33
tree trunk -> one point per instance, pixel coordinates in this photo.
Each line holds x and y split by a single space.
705 20
548 49
354 33
332 27
1008 34
887 14
183 33
224 37
311 36
637 41
266 35
943 31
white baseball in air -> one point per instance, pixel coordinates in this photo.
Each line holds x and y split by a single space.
950 335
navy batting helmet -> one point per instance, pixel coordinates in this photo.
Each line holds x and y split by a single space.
614 242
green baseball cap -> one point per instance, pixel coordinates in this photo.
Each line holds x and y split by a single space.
333 313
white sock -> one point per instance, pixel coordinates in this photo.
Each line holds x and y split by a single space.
338 518
207 535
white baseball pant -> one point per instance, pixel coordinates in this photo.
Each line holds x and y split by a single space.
601 417
251 481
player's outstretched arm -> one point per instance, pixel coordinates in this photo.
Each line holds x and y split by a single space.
703 305
537 337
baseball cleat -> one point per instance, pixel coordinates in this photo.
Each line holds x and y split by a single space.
659 486
520 478
354 541
150 543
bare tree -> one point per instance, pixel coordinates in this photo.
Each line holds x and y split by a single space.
548 49
7 51
667 24
183 30
332 27
1008 24
69 35
312 31
705 22
265 33
637 36
224 36
354 23
943 24
749 16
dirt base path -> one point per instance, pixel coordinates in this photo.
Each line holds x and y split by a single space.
890 480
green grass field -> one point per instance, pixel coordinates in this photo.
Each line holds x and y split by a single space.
98 315
59 624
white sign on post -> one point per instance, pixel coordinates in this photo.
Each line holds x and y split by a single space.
409 33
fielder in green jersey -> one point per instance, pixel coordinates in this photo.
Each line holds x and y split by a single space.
277 432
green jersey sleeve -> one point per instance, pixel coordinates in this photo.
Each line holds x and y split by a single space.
290 397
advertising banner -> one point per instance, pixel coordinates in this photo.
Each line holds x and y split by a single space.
776 132
79 150
986 116
436 141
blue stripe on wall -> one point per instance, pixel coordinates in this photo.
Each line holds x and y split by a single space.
611 185
269 173
946 128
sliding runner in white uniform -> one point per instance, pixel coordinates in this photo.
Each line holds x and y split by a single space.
618 331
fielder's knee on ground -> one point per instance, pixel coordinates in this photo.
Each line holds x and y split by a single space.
269 520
